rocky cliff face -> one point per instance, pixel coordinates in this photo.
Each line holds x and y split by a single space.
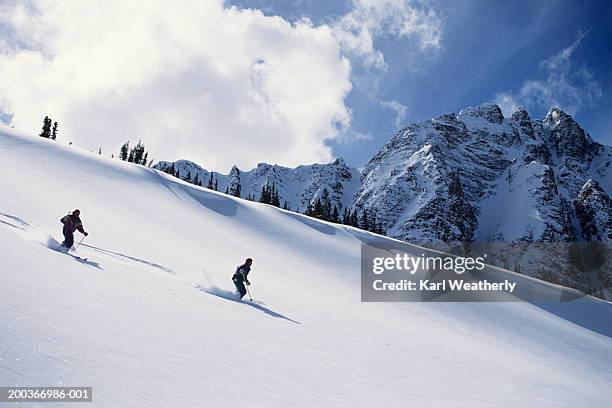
511 179
477 176
594 212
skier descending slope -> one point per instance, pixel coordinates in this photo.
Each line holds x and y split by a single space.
240 277
72 222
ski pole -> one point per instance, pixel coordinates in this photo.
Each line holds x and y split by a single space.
249 292
247 286
75 248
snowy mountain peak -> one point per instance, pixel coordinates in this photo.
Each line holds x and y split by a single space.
476 176
522 122
520 115
566 136
340 162
555 114
489 112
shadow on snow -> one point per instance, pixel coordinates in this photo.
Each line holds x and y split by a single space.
131 258
232 296
85 261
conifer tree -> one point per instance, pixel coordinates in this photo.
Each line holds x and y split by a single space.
275 199
325 206
364 222
54 131
210 180
335 215
46 129
123 153
237 191
137 153
318 208
265 194
373 222
346 218
309 210
354 219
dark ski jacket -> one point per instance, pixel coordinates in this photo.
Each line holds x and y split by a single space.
241 273
72 223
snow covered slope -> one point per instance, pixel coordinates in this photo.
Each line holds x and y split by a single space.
147 320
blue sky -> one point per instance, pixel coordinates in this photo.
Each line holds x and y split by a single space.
292 82
487 48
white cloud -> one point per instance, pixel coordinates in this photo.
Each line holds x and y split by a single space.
566 86
369 19
192 79
401 111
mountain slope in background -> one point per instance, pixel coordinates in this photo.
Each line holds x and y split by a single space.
475 176
297 187
148 318
518 178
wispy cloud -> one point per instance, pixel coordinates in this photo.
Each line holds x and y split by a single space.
401 111
568 85
415 22
368 19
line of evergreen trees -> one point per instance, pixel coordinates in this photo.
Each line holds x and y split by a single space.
366 220
211 185
323 210
137 154
269 195
49 129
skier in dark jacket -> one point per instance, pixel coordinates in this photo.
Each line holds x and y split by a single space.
240 277
72 222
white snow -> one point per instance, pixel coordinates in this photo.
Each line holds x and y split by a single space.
512 208
148 319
